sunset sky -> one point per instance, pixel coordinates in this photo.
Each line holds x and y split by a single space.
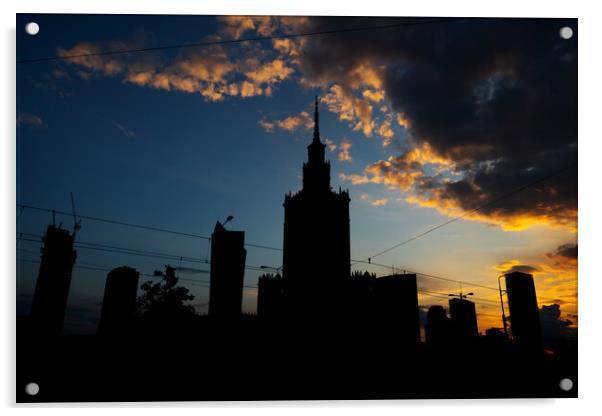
423 122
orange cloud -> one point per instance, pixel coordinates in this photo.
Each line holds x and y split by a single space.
356 111
513 221
354 179
234 27
398 172
385 131
292 123
270 73
406 172
374 95
344 155
209 71
555 278
266 125
379 202
403 121
330 145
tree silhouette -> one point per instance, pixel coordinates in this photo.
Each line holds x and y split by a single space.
164 301
358 274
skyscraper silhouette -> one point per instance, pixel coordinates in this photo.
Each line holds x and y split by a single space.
54 278
524 312
438 328
119 302
316 254
464 319
393 304
228 257
270 296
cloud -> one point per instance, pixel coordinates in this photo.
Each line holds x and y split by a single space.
374 95
290 123
266 125
515 266
354 178
403 172
211 71
235 27
270 73
386 131
356 111
344 155
555 276
330 145
553 326
494 99
497 98
27 119
566 254
379 202
124 130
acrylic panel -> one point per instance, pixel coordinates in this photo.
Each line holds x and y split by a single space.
291 208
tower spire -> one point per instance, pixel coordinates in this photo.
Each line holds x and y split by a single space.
316 123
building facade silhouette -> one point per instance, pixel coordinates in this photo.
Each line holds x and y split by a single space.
228 256
119 302
524 312
54 279
393 306
438 327
270 297
464 319
316 257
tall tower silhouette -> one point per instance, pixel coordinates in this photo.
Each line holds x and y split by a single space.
54 278
316 256
524 311
228 256
119 302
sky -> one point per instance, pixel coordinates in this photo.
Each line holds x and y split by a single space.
424 121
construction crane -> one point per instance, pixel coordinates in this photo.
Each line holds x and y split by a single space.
76 224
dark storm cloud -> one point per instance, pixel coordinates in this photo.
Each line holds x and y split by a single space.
553 326
496 96
523 268
568 250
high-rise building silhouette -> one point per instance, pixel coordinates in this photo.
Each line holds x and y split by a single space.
394 306
384 307
438 327
464 319
270 296
119 302
228 256
316 255
54 278
524 312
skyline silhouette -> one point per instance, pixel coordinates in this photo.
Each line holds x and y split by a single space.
393 230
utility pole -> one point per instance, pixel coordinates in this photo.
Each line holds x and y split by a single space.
461 295
499 284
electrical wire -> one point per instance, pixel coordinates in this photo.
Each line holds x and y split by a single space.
241 40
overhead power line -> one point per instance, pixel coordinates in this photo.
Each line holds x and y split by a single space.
197 282
472 211
107 248
175 257
240 40
133 225
431 276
